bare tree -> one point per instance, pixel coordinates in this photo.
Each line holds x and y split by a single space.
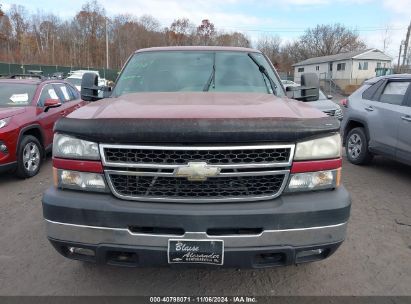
326 40
81 41
206 32
271 47
181 32
232 39
5 36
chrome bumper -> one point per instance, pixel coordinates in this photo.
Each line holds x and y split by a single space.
120 236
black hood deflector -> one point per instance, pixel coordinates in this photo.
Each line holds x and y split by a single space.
181 131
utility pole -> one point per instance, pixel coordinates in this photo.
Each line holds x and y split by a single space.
399 57
106 43
407 40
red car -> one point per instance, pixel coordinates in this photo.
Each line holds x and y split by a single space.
28 110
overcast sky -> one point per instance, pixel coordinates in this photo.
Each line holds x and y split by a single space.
286 18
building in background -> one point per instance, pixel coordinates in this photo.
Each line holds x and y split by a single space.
345 70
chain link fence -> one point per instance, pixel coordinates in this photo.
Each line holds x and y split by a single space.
48 70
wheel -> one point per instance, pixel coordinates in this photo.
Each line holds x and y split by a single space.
357 147
29 157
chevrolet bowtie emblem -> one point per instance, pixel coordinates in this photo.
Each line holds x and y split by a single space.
197 171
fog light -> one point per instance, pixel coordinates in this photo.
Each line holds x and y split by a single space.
3 148
306 253
81 251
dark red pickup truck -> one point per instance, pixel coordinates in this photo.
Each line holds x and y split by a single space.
197 157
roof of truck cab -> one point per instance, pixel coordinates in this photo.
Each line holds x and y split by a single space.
199 48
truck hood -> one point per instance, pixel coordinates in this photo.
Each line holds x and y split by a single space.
11 111
196 105
196 118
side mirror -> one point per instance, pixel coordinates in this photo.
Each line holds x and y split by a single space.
289 91
89 87
310 87
51 103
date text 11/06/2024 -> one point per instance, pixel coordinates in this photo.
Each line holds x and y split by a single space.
204 299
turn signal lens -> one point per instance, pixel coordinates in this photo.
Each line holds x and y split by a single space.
309 181
338 178
85 181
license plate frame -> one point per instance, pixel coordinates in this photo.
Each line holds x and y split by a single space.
193 251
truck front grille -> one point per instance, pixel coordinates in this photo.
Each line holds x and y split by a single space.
151 173
181 188
335 113
180 157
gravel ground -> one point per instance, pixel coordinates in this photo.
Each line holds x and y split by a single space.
374 260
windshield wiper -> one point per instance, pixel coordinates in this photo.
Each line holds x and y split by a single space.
263 71
211 79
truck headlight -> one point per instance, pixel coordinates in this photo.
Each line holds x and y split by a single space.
319 148
75 180
65 146
319 180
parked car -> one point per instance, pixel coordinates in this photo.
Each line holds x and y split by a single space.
35 72
289 83
58 75
28 110
325 104
74 77
197 157
378 120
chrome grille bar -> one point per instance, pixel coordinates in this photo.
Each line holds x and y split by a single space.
107 163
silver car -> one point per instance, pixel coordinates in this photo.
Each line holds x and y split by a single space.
325 104
378 120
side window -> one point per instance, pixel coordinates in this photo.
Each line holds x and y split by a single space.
371 92
74 92
394 92
48 92
63 92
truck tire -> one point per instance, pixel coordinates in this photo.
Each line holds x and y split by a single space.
356 147
29 157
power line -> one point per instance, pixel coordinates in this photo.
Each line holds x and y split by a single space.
302 30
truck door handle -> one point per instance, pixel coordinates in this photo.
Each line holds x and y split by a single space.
369 109
406 118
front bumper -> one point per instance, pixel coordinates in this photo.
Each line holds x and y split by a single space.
277 229
7 167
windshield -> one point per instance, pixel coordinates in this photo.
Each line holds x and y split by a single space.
321 95
194 71
16 94
74 81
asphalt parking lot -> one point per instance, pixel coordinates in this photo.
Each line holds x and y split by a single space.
374 260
